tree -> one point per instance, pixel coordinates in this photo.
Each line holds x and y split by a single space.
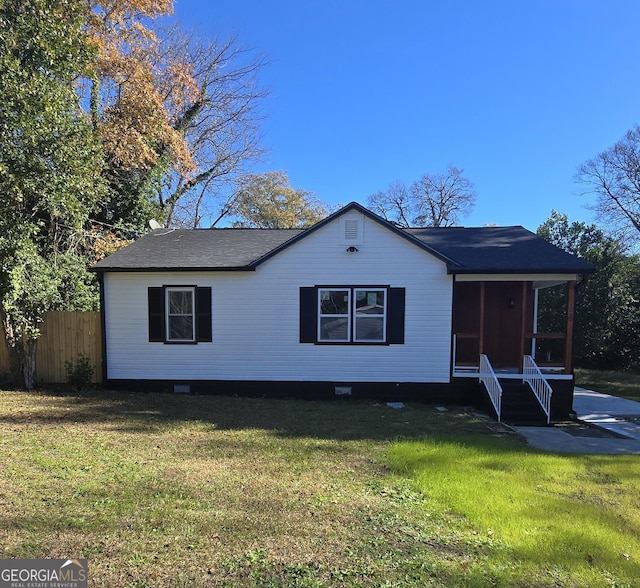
267 201
105 124
442 199
607 319
127 109
394 205
50 165
220 124
435 200
614 177
125 105
178 115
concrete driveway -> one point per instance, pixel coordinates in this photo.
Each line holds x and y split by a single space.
619 416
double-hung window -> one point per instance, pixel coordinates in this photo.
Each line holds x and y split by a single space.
179 314
370 310
180 306
334 315
352 314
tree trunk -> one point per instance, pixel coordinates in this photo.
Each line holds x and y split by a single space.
13 348
29 363
22 355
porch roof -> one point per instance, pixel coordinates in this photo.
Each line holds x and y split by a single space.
499 250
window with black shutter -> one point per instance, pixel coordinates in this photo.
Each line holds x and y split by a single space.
352 315
179 314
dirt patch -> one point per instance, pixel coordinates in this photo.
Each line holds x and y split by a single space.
583 429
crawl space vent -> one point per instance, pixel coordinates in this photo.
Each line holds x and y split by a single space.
343 390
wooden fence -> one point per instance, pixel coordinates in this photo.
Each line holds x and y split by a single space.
64 336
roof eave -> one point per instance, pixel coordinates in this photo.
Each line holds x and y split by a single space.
514 271
102 270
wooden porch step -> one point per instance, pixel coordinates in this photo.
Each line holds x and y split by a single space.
520 405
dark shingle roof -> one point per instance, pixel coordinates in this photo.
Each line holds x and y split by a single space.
196 249
508 250
499 250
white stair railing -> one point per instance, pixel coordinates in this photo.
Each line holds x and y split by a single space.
538 383
490 381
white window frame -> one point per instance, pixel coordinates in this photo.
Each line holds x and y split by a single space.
382 317
334 316
168 313
352 314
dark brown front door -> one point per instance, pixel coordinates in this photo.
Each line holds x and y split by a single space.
503 323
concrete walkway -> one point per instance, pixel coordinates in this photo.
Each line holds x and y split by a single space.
617 415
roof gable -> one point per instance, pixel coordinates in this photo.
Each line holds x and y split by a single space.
365 211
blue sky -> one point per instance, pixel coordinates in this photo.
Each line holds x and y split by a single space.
363 93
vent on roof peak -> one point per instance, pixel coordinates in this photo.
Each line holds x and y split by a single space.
351 230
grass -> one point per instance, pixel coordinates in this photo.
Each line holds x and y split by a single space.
539 519
171 490
624 384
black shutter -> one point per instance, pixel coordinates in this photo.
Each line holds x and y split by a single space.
203 315
395 316
156 313
308 315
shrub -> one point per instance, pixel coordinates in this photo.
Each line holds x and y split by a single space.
79 372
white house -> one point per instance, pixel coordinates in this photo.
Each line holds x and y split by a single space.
353 305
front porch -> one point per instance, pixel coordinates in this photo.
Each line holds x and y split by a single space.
499 319
496 339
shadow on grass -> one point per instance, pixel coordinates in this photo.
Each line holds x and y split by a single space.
338 419
563 526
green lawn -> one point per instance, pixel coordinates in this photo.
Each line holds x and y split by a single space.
539 519
624 384
172 490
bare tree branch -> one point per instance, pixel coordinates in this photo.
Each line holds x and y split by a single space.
393 205
435 200
614 177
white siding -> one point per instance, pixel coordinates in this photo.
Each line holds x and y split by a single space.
256 317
